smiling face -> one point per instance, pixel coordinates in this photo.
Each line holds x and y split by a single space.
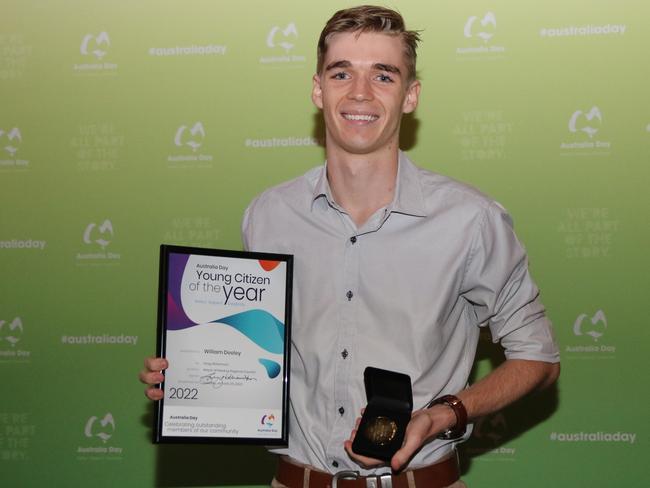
363 90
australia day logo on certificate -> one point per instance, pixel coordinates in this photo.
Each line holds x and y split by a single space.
225 344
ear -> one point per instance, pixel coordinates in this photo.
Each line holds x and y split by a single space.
412 97
317 92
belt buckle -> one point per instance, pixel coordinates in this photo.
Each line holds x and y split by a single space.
380 481
385 480
344 475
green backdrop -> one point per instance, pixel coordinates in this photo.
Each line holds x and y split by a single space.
127 124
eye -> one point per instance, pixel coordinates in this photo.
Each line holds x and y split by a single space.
341 75
384 78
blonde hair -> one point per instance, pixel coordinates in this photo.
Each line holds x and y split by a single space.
370 18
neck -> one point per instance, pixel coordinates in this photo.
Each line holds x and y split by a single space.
362 184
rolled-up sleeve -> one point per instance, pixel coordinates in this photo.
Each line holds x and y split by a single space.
501 293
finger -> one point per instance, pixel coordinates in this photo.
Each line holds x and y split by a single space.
417 431
401 457
412 442
151 377
154 393
363 461
155 364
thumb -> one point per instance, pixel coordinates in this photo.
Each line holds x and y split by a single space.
417 433
411 444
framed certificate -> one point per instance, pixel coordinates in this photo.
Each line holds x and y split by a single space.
224 320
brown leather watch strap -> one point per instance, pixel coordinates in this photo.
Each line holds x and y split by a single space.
453 402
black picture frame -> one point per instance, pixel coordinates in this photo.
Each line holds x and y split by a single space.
167 252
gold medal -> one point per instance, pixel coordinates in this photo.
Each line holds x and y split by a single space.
380 430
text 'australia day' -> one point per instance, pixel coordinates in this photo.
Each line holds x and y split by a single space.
215 282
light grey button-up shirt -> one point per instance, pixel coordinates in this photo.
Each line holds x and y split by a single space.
407 292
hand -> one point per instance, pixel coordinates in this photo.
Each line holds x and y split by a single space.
424 425
152 375
363 461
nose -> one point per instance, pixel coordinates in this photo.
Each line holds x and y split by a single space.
360 89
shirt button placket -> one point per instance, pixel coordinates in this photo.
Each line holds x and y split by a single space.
345 346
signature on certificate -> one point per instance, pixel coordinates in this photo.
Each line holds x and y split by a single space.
217 380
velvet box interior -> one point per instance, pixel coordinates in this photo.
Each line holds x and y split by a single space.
383 424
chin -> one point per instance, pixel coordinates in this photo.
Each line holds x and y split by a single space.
360 149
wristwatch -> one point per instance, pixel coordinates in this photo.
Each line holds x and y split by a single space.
453 402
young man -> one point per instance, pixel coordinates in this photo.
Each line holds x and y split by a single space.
395 267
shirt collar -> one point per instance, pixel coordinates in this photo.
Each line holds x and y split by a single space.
408 194
322 192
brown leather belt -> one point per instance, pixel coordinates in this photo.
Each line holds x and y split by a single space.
438 475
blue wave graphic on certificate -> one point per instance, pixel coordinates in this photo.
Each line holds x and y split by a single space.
257 325
272 368
260 327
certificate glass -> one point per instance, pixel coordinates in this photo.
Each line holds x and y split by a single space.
224 325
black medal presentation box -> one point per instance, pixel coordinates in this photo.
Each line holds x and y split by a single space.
383 424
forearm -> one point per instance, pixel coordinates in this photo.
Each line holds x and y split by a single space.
508 383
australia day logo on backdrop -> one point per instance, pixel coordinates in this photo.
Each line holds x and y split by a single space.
188 140
11 335
584 127
489 434
100 428
588 122
479 33
97 239
98 431
94 48
10 142
281 43
590 329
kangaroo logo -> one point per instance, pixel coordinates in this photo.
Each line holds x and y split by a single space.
9 331
105 231
489 19
289 30
598 318
104 431
590 116
14 137
197 134
89 41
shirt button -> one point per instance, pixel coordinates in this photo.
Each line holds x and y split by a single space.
349 294
353 239
341 410
344 353
335 464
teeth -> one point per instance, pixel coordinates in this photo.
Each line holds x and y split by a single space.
367 118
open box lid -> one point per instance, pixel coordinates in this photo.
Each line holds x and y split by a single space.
388 388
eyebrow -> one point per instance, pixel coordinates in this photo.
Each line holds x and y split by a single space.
377 66
338 64
386 67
